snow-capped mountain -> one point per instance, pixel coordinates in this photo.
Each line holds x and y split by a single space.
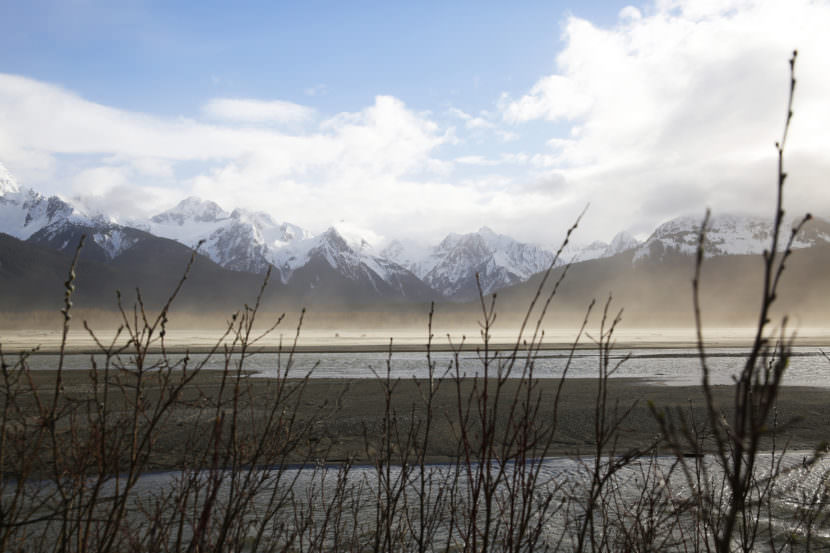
622 241
52 222
189 213
407 253
240 240
251 241
577 253
451 266
304 260
330 247
23 211
726 235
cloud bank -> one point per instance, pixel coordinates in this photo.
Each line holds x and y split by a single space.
677 107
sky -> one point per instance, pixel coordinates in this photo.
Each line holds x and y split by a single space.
416 119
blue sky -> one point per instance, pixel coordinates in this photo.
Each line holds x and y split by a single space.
442 115
169 57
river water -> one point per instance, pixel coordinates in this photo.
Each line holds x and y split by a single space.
648 502
669 366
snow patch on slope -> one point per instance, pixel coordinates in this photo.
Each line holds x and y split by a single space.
114 241
8 184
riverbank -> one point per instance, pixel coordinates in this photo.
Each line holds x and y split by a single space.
405 340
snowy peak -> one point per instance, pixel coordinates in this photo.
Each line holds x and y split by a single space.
329 245
334 239
346 263
622 241
257 218
815 232
594 250
50 221
332 244
466 247
451 267
488 234
241 240
727 235
191 210
23 211
497 242
353 261
8 184
406 253
356 238
292 232
266 230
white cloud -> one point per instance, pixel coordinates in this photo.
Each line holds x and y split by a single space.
554 97
459 113
383 138
479 123
630 13
475 160
356 167
507 158
99 180
363 238
519 158
683 102
246 110
153 167
112 190
39 117
472 122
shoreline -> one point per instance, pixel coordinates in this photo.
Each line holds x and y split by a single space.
29 349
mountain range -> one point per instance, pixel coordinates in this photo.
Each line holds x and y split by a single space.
332 266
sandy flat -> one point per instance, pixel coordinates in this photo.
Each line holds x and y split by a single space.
338 420
334 340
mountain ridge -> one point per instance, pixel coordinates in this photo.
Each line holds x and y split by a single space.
453 269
